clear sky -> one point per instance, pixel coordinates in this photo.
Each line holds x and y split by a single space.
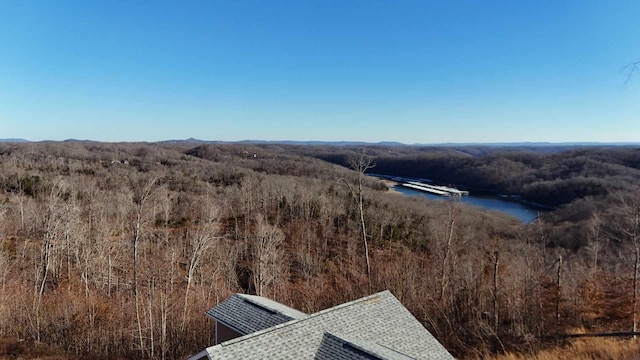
409 71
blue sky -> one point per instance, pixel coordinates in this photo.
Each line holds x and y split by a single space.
409 71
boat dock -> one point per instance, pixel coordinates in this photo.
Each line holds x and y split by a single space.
425 189
446 189
421 186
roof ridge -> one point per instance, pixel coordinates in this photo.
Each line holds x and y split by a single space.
352 302
248 298
268 307
295 321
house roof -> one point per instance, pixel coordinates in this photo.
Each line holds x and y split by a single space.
248 313
373 327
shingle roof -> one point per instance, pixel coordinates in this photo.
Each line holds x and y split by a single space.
248 314
377 326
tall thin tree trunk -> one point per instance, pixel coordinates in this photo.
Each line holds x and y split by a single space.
360 162
495 292
109 266
151 332
364 233
453 215
135 280
558 293
43 282
137 238
192 266
635 289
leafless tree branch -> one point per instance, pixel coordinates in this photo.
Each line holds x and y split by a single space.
631 69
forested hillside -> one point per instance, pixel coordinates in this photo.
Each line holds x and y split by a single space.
551 178
116 250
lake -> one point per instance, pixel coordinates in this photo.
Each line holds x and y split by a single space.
521 211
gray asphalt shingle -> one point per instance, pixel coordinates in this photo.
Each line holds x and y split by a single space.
248 314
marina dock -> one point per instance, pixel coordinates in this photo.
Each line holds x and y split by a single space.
422 186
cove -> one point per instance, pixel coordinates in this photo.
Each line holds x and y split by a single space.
524 212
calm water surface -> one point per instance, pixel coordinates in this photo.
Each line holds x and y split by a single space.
523 212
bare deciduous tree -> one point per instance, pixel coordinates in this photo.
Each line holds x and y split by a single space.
628 226
361 162
200 244
267 255
142 193
454 211
631 68
52 227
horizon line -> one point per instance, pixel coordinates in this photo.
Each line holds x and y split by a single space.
343 142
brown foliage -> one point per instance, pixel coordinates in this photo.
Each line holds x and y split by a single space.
116 250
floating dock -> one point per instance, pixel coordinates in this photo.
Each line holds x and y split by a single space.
426 189
420 185
446 189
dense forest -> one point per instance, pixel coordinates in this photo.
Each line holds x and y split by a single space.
116 250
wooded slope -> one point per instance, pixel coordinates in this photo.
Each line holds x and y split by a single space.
116 250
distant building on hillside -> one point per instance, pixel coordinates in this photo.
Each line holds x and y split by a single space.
374 327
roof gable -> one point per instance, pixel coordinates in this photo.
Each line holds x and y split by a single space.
248 314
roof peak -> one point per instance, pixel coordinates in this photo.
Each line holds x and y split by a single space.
372 297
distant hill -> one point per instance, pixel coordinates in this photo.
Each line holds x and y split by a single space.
539 145
285 142
562 145
189 141
14 140
322 143
536 144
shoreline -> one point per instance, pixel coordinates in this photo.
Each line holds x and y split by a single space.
511 198
390 184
